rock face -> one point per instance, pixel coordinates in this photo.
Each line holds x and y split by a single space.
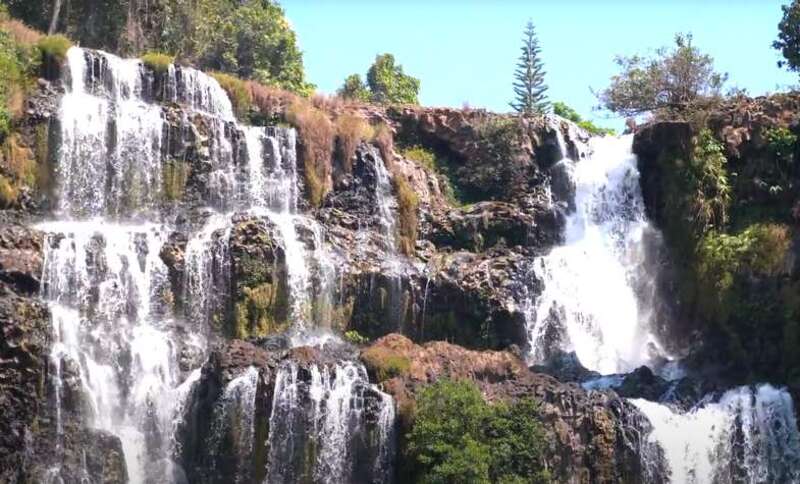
592 436
460 284
748 323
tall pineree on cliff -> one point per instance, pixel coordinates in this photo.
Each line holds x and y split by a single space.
529 86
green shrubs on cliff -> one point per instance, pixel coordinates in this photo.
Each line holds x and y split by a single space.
19 61
781 142
55 47
710 191
760 250
458 437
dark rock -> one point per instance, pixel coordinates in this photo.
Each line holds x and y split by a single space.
24 330
565 367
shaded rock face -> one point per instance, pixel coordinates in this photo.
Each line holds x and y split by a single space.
24 328
751 335
592 436
489 224
262 414
495 157
460 285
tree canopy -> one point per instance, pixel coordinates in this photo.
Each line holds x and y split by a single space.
676 78
248 38
789 36
386 83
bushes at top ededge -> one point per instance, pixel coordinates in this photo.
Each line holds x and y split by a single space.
457 437
158 62
566 112
350 131
54 47
316 143
386 84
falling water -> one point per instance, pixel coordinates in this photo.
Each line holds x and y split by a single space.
601 260
109 291
198 92
105 282
271 192
330 410
104 285
235 415
102 103
749 435
385 200
207 270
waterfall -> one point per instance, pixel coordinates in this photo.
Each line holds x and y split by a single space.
197 91
385 201
749 435
597 301
109 161
207 272
104 283
328 409
235 413
114 331
592 302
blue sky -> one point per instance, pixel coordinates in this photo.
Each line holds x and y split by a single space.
465 51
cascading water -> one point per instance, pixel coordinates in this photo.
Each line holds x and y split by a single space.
103 103
597 301
385 201
109 291
329 409
749 435
236 412
104 283
592 303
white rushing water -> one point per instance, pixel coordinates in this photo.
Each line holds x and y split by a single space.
236 413
109 291
104 283
386 203
329 410
749 435
591 303
597 301
97 177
